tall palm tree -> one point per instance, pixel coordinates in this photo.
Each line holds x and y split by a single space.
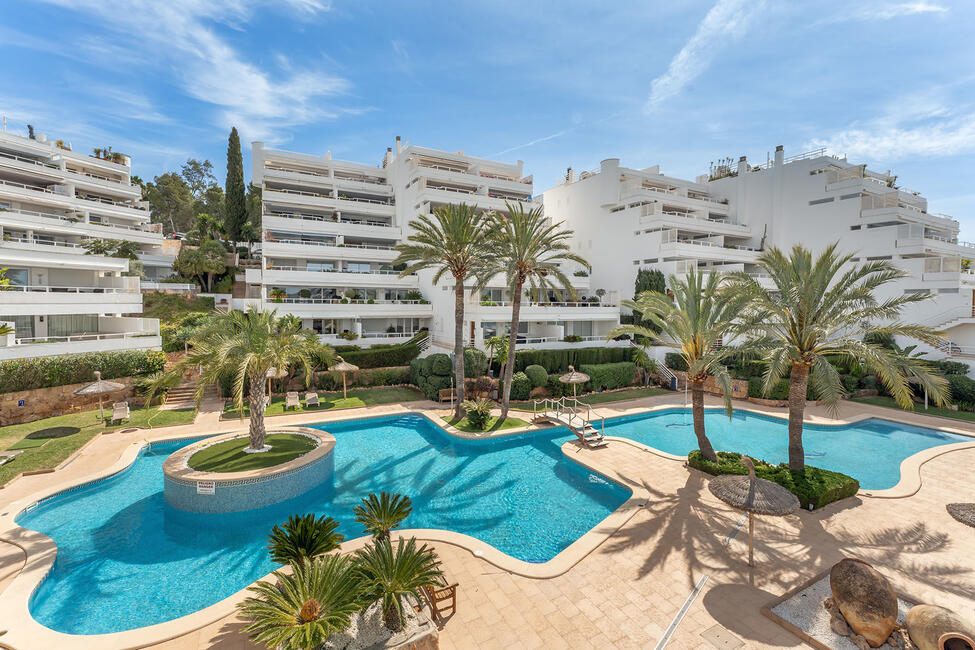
389 574
451 241
694 321
245 346
380 514
823 306
527 248
300 609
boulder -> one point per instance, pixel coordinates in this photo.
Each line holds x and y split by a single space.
865 598
936 628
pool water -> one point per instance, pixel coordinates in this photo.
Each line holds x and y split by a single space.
126 559
870 451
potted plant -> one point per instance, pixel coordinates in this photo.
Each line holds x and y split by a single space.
277 295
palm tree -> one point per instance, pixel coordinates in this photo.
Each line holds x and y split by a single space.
694 322
303 538
389 575
451 241
526 248
300 609
816 310
245 346
379 515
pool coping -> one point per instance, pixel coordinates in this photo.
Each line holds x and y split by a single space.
40 550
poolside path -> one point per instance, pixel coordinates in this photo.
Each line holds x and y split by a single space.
627 592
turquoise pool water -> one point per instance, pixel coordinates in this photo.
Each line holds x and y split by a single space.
126 559
870 451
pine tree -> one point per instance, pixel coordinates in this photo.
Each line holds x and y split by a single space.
236 211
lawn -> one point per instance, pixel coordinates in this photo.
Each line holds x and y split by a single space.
329 401
47 443
603 398
492 424
229 456
918 408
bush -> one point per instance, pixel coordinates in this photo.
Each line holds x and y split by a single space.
951 367
962 389
478 412
537 375
779 392
850 383
431 374
441 365
331 380
560 360
380 357
45 372
675 361
475 363
572 338
868 382
521 386
556 388
607 376
816 487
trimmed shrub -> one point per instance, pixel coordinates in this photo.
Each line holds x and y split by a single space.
380 357
607 376
521 386
674 361
962 389
560 360
475 363
780 391
332 380
816 487
45 372
951 367
440 365
556 388
431 374
868 382
537 375
478 412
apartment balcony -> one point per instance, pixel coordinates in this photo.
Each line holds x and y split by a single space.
294 276
59 224
336 308
656 214
556 343
361 206
114 333
300 249
577 282
546 311
117 295
320 225
39 253
454 195
323 178
86 160
103 184
679 196
26 144
368 339
34 167
107 207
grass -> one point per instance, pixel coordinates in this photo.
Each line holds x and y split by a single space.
603 398
168 307
229 456
329 401
49 442
492 424
932 410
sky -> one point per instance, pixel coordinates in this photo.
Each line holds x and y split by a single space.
555 84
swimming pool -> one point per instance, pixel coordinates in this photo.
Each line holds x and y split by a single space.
870 451
126 560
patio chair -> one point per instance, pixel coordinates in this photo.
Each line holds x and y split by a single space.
291 400
311 399
120 411
439 595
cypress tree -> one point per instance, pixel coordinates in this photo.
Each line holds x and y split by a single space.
236 202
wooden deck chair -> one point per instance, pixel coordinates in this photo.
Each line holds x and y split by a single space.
439 595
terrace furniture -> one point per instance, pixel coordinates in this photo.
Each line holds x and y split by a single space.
438 596
120 411
311 399
447 394
291 400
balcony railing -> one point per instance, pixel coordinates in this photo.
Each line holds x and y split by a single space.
118 204
82 337
389 335
33 188
343 301
314 217
25 288
579 303
357 199
329 244
298 268
32 161
42 242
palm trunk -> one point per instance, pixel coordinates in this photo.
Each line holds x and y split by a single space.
257 412
459 345
798 382
509 368
391 617
697 412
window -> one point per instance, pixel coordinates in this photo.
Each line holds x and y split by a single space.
23 325
829 200
358 267
17 277
844 197
70 324
320 266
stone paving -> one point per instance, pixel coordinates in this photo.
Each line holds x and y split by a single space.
627 591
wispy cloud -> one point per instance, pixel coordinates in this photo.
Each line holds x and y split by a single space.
727 21
182 34
531 143
881 11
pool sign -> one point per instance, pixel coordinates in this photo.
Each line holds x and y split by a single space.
205 487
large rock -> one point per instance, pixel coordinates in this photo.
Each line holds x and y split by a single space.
936 628
865 598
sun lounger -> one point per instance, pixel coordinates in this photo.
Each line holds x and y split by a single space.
311 399
291 400
120 411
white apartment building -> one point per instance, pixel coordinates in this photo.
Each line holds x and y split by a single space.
329 228
60 299
626 219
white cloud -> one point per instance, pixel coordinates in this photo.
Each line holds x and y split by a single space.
727 21
531 143
882 11
180 35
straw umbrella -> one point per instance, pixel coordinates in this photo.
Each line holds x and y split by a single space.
754 495
100 387
344 366
273 373
574 378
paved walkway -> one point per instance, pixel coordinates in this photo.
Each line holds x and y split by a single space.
627 592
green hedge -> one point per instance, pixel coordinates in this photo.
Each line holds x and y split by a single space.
951 367
537 375
675 362
521 386
431 374
45 372
607 376
780 391
815 486
475 363
962 389
560 360
384 357
332 380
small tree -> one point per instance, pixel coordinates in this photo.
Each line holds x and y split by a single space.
303 538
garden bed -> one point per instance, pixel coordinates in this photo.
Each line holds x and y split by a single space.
332 401
229 455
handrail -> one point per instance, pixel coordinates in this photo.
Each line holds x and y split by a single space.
579 303
25 288
39 163
372 272
35 188
388 202
315 217
82 337
339 301
25 240
330 244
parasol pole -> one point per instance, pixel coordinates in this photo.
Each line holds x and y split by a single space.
751 537
344 394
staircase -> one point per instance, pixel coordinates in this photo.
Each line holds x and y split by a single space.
576 416
182 396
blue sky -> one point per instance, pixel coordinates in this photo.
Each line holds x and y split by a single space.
554 84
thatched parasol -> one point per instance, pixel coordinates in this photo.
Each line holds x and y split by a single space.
574 378
273 373
100 387
754 495
344 366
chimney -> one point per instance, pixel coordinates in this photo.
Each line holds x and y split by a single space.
570 176
742 164
399 145
779 156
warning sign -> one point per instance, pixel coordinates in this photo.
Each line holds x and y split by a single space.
205 487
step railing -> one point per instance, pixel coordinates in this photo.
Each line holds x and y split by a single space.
569 410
